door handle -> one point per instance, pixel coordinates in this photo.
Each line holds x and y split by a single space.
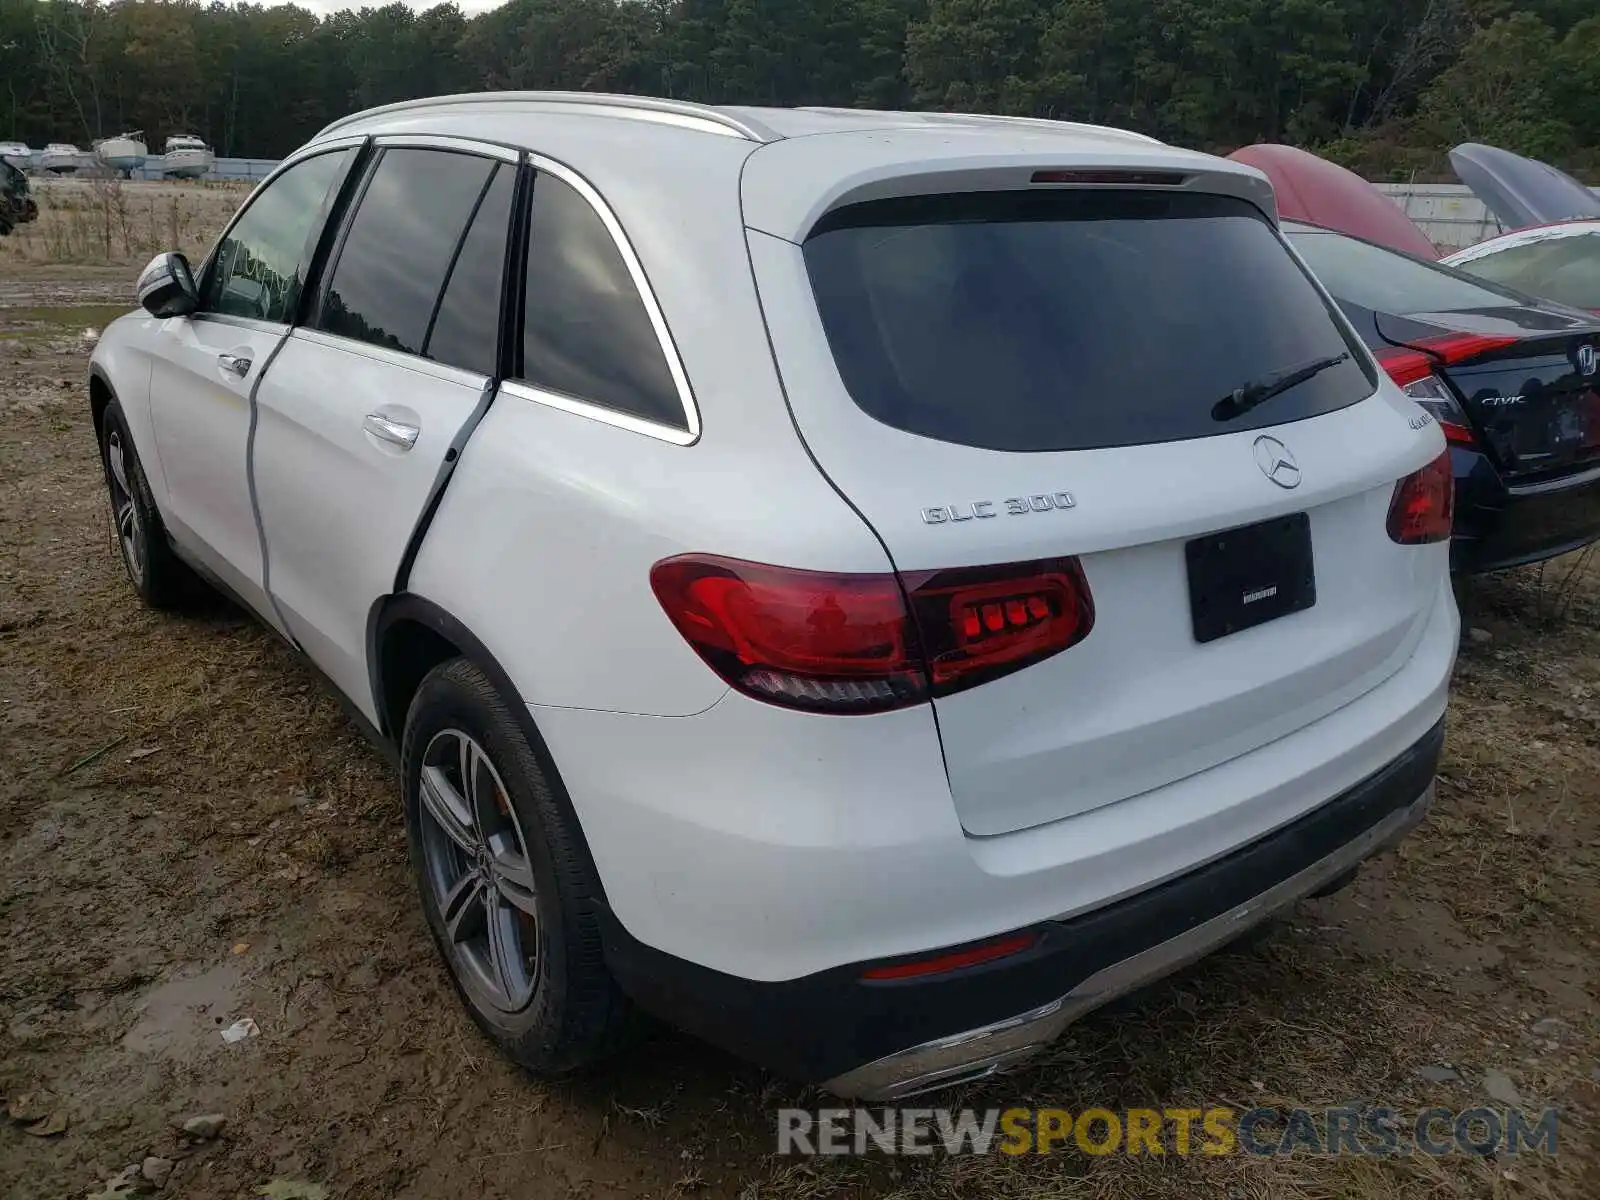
396 433
234 364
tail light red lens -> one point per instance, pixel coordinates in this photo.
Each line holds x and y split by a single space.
1423 504
954 960
977 623
850 643
1413 371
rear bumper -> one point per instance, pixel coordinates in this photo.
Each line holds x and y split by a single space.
887 1040
1500 526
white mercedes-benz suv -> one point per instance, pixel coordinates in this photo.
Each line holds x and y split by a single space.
867 587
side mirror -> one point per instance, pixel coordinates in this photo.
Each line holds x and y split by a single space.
166 286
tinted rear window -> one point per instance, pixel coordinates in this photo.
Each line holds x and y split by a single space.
1563 268
1388 281
587 333
466 328
401 244
1070 320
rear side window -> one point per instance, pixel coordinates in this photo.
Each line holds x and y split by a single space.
1563 268
400 246
1068 320
1388 281
466 327
586 332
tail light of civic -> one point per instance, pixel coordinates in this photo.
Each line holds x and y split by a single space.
853 643
1423 504
1413 369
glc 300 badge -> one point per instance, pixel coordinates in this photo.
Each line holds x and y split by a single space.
1016 506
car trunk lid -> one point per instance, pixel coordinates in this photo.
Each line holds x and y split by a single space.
1525 377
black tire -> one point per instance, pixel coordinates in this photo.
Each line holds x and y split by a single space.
575 1013
160 577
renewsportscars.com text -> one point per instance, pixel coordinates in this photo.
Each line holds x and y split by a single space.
1263 1132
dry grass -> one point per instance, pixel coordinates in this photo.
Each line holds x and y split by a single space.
107 221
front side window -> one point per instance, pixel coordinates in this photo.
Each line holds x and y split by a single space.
260 267
401 245
1072 320
586 333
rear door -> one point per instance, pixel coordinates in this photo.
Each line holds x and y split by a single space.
1002 377
366 407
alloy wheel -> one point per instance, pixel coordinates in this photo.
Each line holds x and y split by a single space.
479 873
124 512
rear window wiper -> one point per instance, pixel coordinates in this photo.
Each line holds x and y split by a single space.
1242 399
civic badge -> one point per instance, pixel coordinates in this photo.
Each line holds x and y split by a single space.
1276 463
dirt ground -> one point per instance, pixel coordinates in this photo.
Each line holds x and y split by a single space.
192 833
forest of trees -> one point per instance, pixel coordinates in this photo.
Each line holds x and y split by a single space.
1384 85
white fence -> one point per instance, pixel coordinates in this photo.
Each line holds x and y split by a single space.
1448 213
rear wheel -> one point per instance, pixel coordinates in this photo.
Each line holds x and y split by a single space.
160 576
507 887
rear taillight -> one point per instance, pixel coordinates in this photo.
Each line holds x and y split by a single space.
977 623
850 643
1423 504
1412 367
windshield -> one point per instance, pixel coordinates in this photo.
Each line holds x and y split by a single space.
1386 281
1069 320
1563 268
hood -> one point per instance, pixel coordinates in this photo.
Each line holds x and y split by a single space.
1521 191
1322 193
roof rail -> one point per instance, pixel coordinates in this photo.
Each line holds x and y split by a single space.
644 106
960 118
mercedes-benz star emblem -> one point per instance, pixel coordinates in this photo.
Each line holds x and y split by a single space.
1276 463
1586 360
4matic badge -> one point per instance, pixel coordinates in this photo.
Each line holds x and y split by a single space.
1016 506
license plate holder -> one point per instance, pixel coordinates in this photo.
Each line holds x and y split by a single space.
1244 577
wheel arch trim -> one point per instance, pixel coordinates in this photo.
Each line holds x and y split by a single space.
389 611
98 374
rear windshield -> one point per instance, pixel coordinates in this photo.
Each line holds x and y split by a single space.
1387 281
1563 268
1068 320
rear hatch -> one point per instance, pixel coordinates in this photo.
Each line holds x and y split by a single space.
1525 377
1005 376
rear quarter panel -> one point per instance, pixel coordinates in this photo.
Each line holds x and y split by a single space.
544 541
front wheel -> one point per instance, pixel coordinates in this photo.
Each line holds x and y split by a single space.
160 576
507 887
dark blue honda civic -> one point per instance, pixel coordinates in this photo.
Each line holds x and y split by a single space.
1513 380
